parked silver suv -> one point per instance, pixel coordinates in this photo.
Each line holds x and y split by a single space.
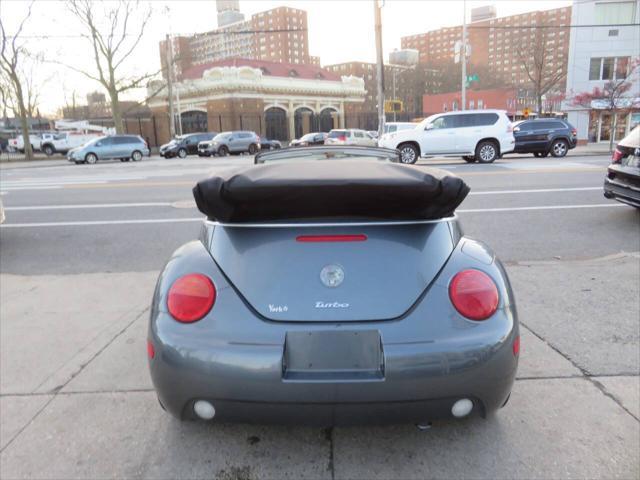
123 147
230 142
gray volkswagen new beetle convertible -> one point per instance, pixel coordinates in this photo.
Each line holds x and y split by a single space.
332 286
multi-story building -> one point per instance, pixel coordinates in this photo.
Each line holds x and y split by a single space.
502 44
228 12
276 35
605 52
401 82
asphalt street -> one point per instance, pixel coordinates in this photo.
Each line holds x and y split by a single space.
79 255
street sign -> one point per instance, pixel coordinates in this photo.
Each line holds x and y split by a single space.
473 78
526 112
391 106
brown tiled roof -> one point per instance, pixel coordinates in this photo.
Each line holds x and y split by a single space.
274 69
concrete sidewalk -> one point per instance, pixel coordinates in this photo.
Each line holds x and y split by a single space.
76 400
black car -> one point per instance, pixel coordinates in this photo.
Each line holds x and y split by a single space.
314 138
545 136
266 144
622 182
184 145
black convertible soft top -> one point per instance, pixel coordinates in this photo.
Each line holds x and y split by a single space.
319 190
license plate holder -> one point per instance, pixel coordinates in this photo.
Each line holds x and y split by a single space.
333 356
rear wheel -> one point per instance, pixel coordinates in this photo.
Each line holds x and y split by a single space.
91 158
223 151
486 152
408 153
182 153
48 150
559 148
253 149
469 158
136 156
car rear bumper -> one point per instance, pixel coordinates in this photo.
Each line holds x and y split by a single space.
622 192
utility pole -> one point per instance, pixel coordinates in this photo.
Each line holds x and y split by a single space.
394 93
380 67
463 52
172 118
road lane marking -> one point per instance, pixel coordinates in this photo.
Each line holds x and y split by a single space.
539 190
89 206
546 207
101 222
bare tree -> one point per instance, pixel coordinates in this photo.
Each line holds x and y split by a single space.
545 76
12 54
612 97
111 47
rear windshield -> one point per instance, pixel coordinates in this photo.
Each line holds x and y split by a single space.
338 133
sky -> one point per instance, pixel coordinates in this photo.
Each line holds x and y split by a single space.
339 31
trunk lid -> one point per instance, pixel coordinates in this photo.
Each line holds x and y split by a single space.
290 273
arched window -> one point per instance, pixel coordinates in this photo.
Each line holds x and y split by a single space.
194 121
328 119
275 121
304 121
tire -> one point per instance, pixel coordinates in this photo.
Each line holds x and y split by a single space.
136 156
408 153
182 153
486 152
78 162
559 148
48 150
277 147
223 151
469 158
253 149
124 159
91 158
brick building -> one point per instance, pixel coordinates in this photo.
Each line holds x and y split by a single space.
279 101
226 42
501 43
410 85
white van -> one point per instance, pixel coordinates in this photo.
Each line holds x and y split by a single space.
475 135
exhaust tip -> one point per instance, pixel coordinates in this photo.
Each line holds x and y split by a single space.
204 410
462 408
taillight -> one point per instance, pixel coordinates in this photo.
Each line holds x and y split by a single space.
617 156
574 132
342 138
191 297
516 346
474 294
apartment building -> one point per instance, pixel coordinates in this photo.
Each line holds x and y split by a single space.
604 53
270 43
503 44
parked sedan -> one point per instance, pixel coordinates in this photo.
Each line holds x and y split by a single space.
351 136
332 291
184 145
314 138
123 147
266 144
622 182
545 136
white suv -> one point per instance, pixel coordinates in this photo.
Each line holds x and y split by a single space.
475 135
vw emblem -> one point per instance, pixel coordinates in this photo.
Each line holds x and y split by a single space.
332 275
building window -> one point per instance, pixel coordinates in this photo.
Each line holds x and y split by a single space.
609 67
611 13
480 104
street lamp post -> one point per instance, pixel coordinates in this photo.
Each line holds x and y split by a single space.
380 67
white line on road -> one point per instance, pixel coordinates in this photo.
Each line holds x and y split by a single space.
545 207
88 206
541 190
101 222
199 219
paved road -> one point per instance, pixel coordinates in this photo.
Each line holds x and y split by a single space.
79 255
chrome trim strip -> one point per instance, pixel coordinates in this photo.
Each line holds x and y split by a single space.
330 224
